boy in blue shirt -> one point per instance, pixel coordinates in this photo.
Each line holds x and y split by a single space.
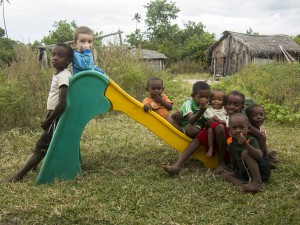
83 58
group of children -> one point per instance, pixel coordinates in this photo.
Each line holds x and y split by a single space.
216 121
210 118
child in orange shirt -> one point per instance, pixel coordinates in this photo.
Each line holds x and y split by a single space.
157 101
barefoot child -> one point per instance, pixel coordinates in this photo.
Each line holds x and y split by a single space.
83 59
256 116
217 113
234 103
157 101
191 117
61 57
252 168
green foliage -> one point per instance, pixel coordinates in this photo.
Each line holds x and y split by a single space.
189 43
63 31
187 66
2 32
297 39
23 90
6 50
276 86
123 182
159 15
127 71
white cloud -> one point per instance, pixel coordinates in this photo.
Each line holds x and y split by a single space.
32 19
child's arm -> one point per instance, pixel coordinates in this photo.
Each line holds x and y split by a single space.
262 139
147 107
194 118
217 119
167 105
255 153
58 109
84 60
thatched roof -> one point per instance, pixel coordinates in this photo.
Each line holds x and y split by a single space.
148 54
261 45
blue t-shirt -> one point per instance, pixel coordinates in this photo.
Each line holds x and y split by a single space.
84 61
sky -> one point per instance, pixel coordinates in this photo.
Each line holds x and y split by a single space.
30 20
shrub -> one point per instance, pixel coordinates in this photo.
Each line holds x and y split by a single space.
276 86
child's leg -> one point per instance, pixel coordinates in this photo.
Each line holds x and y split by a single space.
32 162
220 137
210 138
191 130
231 177
256 183
174 124
187 153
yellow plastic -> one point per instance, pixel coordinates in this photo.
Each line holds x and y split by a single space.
121 101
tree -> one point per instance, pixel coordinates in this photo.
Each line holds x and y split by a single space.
297 39
3 14
159 15
2 32
137 17
251 32
63 32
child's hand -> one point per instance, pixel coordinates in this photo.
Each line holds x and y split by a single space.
157 98
45 124
147 108
241 139
203 104
85 47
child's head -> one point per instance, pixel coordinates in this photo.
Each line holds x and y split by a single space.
155 86
83 38
61 56
217 99
238 124
235 102
200 91
255 114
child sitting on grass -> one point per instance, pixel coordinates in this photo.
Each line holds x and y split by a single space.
157 101
256 116
252 168
234 104
61 57
190 117
217 113
83 59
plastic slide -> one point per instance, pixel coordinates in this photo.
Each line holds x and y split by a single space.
89 94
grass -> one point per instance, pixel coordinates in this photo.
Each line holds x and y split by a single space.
123 182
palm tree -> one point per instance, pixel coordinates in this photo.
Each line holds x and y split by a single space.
2 3
137 18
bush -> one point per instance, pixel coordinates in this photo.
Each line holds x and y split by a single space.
187 66
276 86
23 90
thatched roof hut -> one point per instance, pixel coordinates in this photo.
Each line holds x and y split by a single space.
154 58
235 50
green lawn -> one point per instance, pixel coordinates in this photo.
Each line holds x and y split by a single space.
123 182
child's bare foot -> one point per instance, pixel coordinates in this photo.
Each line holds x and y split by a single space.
210 151
14 179
171 170
220 169
252 187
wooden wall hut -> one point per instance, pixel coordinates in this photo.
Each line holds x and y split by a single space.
154 58
235 50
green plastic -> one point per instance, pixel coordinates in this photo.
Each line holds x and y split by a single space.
85 100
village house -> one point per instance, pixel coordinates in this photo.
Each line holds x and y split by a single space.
153 58
235 50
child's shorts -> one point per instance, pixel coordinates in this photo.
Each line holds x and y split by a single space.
203 137
264 169
43 143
